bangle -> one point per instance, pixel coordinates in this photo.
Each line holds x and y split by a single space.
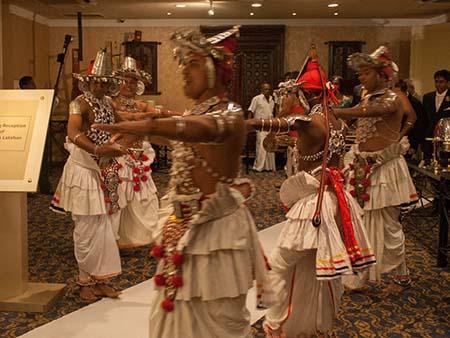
262 125
270 125
76 137
279 126
410 123
95 150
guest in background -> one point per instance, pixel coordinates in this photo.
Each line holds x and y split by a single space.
262 106
416 134
27 82
344 101
357 95
437 104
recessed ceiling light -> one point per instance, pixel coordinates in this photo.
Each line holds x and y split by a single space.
251 13
180 5
294 14
336 13
256 4
333 5
168 13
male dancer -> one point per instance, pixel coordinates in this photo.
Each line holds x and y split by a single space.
379 174
310 258
88 187
209 252
138 220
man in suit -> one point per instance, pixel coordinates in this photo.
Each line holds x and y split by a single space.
437 104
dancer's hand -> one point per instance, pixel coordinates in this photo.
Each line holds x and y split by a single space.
111 149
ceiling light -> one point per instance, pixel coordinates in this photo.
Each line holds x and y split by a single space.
294 14
256 4
251 13
168 13
336 13
180 5
211 8
333 5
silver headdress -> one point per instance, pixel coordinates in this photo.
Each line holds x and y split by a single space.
381 57
101 71
194 41
129 69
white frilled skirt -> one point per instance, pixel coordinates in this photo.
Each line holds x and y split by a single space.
79 192
223 257
308 262
391 186
139 218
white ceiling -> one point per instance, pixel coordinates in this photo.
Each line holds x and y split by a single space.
236 9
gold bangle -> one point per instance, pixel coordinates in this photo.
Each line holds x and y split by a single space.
262 125
279 126
95 150
270 125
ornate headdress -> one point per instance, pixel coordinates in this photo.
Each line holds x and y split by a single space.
380 58
312 76
100 70
218 49
129 68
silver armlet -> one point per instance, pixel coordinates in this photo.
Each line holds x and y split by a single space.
74 108
180 125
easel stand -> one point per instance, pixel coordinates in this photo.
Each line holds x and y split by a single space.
16 293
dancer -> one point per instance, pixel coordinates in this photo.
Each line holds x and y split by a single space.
208 252
138 220
379 175
88 187
308 261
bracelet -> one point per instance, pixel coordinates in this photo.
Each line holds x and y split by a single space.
409 123
270 125
76 137
95 150
180 125
262 124
279 126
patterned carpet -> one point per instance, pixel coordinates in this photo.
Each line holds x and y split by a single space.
421 311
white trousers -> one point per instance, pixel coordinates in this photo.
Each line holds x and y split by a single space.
388 242
263 160
95 247
138 222
314 303
221 318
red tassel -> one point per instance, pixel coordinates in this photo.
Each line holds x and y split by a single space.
144 178
144 157
365 197
147 168
167 305
158 251
177 258
353 193
160 280
136 179
176 281
136 188
136 171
